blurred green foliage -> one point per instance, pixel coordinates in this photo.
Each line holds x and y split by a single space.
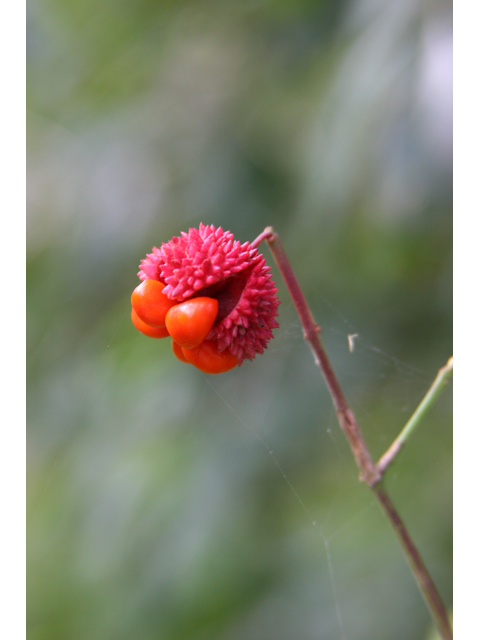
156 508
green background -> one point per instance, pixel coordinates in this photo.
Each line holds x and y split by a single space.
167 504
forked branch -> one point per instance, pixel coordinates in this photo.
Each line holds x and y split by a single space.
438 385
369 471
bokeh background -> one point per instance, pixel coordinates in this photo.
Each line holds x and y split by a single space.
167 504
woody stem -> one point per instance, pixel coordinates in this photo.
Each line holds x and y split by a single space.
369 472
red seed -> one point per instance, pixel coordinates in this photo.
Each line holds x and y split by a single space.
206 358
190 322
150 304
178 351
148 330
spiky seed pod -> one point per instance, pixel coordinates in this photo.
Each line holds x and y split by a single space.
210 262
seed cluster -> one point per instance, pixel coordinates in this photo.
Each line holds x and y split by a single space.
209 263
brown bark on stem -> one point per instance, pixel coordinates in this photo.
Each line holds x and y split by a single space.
369 472
311 333
424 581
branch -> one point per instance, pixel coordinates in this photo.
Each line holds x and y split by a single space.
369 472
419 570
432 395
311 333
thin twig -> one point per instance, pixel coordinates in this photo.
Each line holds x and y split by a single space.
311 333
369 472
419 570
432 395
